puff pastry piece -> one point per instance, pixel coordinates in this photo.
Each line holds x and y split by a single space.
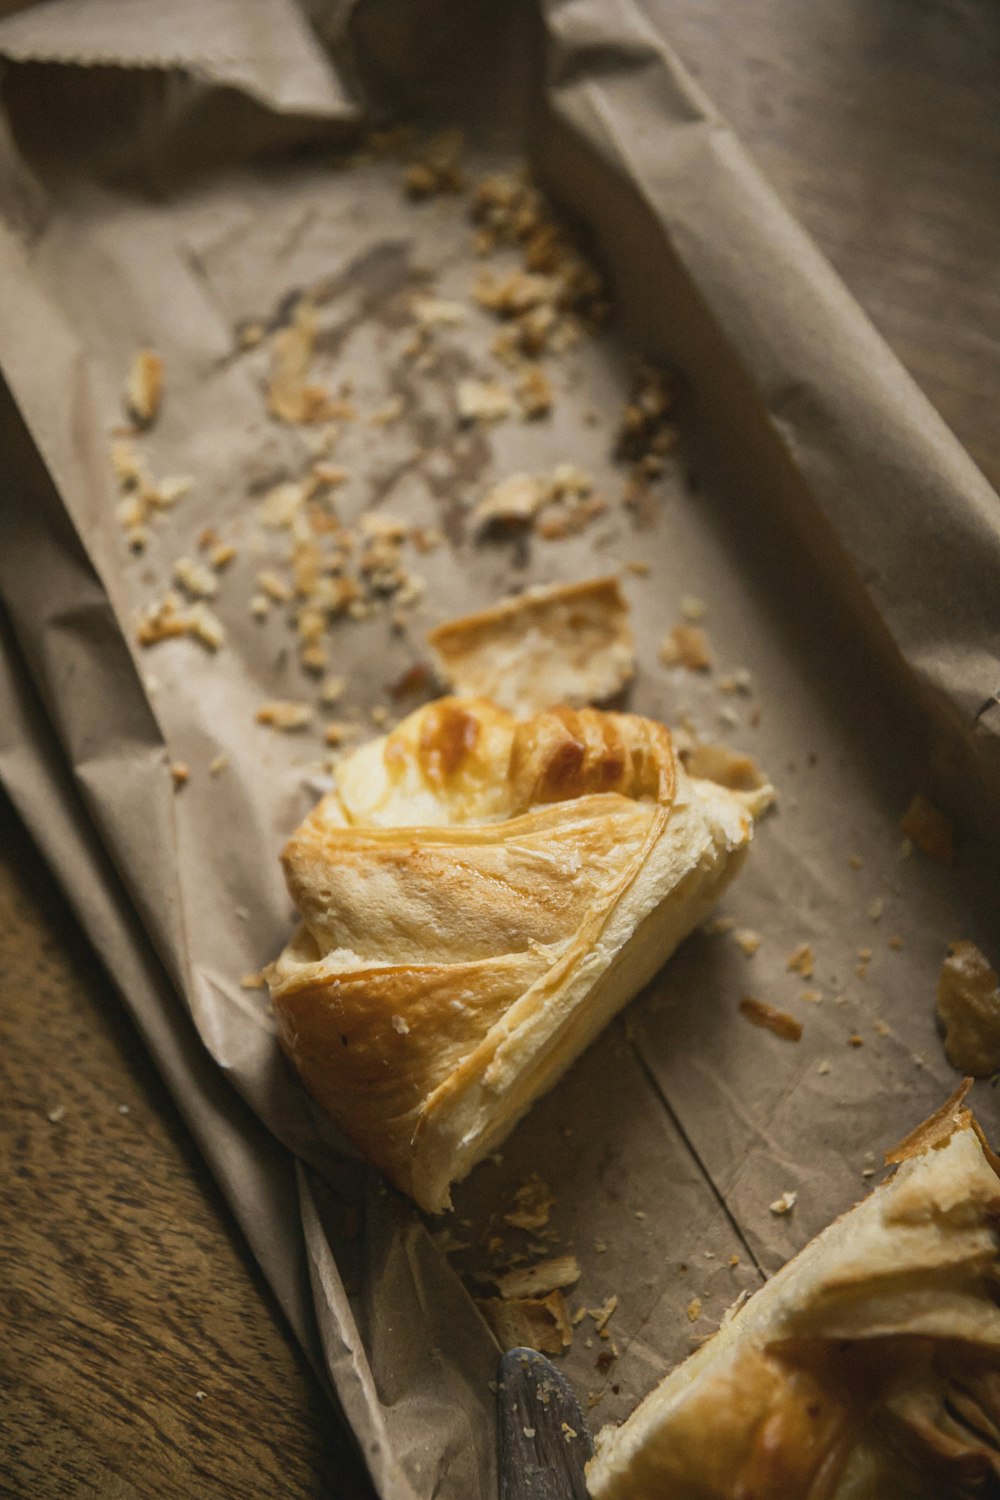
868 1368
479 896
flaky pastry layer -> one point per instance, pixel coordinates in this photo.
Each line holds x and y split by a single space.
479 896
868 1367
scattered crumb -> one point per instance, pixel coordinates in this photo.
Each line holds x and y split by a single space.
532 1204
340 730
784 1204
639 568
218 765
694 1309
284 714
57 1113
883 1028
801 961
273 587
734 682
438 168
291 397
180 772
383 416
855 1040
726 767
169 619
734 1261
483 401
875 910
196 578
538 1323
778 1021
513 502
534 392
144 388
686 646
747 939
693 609
544 1276
716 925
430 310
968 1004
929 830
400 1025
602 1315
823 1068
812 997
895 942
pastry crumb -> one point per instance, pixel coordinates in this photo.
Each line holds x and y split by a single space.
694 1309
180 772
532 1204
483 401
559 1271
284 714
968 1005
801 961
784 1204
771 1019
747 939
170 619
929 830
602 1315
686 646
144 388
195 578
218 765
538 1323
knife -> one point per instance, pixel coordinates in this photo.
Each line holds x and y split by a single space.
544 1438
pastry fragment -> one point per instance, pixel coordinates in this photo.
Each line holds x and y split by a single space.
571 643
479 896
868 1367
968 1003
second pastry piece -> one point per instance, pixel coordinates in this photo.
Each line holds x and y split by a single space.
479 896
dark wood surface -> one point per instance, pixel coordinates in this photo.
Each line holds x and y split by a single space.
140 1352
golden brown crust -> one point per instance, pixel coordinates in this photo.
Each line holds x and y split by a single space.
570 643
478 896
868 1366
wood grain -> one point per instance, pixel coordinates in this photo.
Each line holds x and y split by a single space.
141 1353
126 1292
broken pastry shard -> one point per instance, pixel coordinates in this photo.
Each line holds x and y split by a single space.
479 896
866 1368
568 644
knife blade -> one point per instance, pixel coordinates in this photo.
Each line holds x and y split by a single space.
544 1438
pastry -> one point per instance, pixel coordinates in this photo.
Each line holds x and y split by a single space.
479 896
571 643
868 1368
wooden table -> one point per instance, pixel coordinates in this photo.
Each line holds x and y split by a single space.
141 1353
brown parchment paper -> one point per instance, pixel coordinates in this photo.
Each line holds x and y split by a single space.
846 547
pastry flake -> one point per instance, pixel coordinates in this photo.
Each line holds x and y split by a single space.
866 1368
571 643
479 896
